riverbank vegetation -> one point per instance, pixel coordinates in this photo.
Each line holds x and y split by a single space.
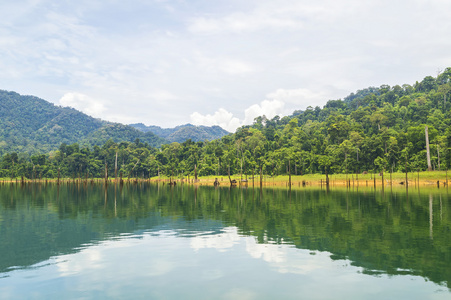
386 129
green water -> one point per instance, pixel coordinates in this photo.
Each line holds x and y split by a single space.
160 242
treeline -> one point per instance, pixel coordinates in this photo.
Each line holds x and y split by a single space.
33 125
375 129
185 132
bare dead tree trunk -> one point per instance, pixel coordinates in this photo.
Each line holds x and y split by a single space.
261 176
438 156
241 166
289 173
115 168
428 153
346 167
407 179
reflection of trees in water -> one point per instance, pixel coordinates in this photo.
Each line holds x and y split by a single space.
382 232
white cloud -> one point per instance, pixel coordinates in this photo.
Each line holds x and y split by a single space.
300 98
274 105
269 108
259 19
221 118
225 119
235 67
165 59
227 65
162 96
84 103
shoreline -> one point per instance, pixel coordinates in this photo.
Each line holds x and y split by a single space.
435 179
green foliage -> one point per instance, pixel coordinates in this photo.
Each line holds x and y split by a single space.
184 132
32 125
373 130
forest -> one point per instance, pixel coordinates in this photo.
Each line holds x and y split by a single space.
372 130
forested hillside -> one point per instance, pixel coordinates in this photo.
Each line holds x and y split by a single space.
374 129
29 124
184 132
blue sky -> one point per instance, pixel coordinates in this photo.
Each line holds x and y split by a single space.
167 63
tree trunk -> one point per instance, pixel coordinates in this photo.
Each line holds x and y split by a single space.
241 168
407 179
327 177
289 173
346 167
438 156
115 168
261 176
428 154
106 172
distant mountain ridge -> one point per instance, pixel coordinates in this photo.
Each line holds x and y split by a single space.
182 133
30 124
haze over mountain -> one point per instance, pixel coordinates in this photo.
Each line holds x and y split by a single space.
184 132
30 124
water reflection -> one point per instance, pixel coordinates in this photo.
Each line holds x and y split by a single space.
73 228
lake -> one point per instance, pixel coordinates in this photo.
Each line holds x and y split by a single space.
148 241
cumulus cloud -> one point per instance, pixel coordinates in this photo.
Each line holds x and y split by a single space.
280 102
160 69
269 108
221 118
84 103
225 119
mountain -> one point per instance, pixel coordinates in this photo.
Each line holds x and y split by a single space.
184 132
30 124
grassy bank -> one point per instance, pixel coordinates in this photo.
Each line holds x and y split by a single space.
434 178
394 179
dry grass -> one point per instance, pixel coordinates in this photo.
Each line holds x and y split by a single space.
394 179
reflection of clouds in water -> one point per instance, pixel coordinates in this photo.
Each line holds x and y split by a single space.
222 241
305 263
288 259
91 259
163 264
153 257
280 257
269 252
156 254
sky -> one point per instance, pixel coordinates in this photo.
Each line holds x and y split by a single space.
222 62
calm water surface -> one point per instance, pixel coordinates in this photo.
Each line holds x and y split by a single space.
160 242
